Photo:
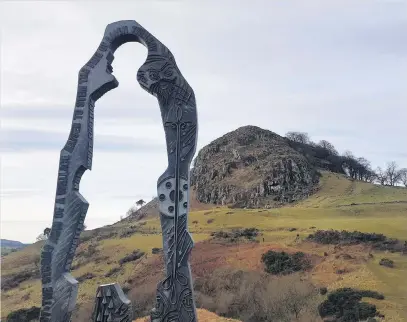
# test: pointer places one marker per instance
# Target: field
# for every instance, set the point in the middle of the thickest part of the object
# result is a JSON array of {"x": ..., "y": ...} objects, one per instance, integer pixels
[{"x": 339, "y": 204}]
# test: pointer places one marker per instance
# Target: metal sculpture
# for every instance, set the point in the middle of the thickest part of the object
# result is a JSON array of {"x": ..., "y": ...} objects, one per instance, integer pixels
[
  {"x": 111, "y": 305},
  {"x": 159, "y": 76}
]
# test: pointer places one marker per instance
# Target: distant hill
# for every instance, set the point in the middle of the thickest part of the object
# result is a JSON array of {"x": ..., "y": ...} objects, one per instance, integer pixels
[
  {"x": 9, "y": 246},
  {"x": 6, "y": 243}
]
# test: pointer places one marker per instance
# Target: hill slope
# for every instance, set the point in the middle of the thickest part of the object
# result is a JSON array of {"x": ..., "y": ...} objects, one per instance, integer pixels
[{"x": 338, "y": 204}]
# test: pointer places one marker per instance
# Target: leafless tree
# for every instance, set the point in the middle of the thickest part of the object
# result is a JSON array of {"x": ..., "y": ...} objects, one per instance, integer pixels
[
  {"x": 300, "y": 137},
  {"x": 381, "y": 176},
  {"x": 363, "y": 169},
  {"x": 41, "y": 236},
  {"x": 327, "y": 146},
  {"x": 393, "y": 173},
  {"x": 371, "y": 176},
  {"x": 403, "y": 176}
]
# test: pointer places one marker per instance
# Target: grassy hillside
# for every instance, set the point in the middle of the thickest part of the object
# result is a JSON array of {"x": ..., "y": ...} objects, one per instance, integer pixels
[{"x": 339, "y": 204}]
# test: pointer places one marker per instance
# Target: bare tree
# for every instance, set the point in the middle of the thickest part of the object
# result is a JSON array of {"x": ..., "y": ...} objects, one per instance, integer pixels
[
  {"x": 403, "y": 176},
  {"x": 363, "y": 168},
  {"x": 381, "y": 176},
  {"x": 300, "y": 137},
  {"x": 371, "y": 176},
  {"x": 393, "y": 173},
  {"x": 41, "y": 237},
  {"x": 350, "y": 165},
  {"x": 327, "y": 146}
]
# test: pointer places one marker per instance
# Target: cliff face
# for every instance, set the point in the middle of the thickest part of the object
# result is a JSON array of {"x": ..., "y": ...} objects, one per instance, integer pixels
[{"x": 252, "y": 167}]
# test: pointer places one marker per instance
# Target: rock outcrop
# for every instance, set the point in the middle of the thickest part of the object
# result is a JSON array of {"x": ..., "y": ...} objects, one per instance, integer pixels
[{"x": 252, "y": 167}]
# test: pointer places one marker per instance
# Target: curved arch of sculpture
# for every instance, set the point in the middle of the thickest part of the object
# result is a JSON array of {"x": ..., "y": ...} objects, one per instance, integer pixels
[{"x": 160, "y": 76}]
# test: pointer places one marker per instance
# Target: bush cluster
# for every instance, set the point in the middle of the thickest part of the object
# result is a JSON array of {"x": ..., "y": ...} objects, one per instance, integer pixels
[
  {"x": 345, "y": 237},
  {"x": 253, "y": 297},
  {"x": 386, "y": 262},
  {"x": 26, "y": 315},
  {"x": 135, "y": 255},
  {"x": 345, "y": 306},
  {"x": 156, "y": 250},
  {"x": 13, "y": 281},
  {"x": 234, "y": 235},
  {"x": 284, "y": 263},
  {"x": 377, "y": 241}
]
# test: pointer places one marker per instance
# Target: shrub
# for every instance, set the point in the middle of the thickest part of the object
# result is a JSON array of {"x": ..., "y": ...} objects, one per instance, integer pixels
[
  {"x": 284, "y": 263},
  {"x": 209, "y": 221},
  {"x": 386, "y": 262},
  {"x": 378, "y": 241},
  {"x": 106, "y": 235},
  {"x": 225, "y": 292},
  {"x": 323, "y": 290},
  {"x": 84, "y": 277},
  {"x": 344, "y": 304},
  {"x": 128, "y": 232},
  {"x": 13, "y": 281},
  {"x": 156, "y": 250},
  {"x": 135, "y": 255},
  {"x": 90, "y": 251},
  {"x": 113, "y": 271},
  {"x": 235, "y": 234},
  {"x": 26, "y": 315},
  {"x": 143, "y": 298}
]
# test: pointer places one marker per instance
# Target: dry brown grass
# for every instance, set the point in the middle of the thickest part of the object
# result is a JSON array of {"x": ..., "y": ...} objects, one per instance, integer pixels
[
  {"x": 203, "y": 316},
  {"x": 256, "y": 296}
]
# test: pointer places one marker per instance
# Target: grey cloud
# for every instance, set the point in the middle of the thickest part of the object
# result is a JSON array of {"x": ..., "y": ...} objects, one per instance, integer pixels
[
  {"x": 65, "y": 112},
  {"x": 19, "y": 193},
  {"x": 29, "y": 140}
]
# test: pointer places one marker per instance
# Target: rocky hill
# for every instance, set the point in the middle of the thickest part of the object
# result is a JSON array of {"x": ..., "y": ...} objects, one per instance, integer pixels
[{"x": 252, "y": 167}]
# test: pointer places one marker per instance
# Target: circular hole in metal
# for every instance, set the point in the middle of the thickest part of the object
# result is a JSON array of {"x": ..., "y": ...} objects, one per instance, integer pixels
[
  {"x": 168, "y": 185},
  {"x": 162, "y": 197},
  {"x": 170, "y": 208}
]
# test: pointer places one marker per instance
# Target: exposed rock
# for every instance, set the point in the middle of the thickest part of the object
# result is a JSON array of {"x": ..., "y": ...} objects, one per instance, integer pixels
[{"x": 251, "y": 167}]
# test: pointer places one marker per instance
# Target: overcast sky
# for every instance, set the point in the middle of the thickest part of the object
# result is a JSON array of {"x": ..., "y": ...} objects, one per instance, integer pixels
[{"x": 334, "y": 69}]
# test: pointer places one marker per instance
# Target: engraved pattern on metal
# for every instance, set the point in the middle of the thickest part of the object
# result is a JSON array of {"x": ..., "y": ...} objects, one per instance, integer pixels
[
  {"x": 111, "y": 305},
  {"x": 159, "y": 76}
]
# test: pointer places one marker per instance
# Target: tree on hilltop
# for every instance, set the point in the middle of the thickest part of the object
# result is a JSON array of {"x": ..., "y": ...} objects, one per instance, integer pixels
[
  {"x": 381, "y": 176},
  {"x": 403, "y": 176},
  {"x": 140, "y": 203},
  {"x": 44, "y": 235},
  {"x": 300, "y": 137},
  {"x": 393, "y": 173},
  {"x": 327, "y": 146}
]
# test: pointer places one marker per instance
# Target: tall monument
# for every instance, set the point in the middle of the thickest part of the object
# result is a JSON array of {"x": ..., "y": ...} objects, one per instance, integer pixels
[{"x": 159, "y": 76}]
